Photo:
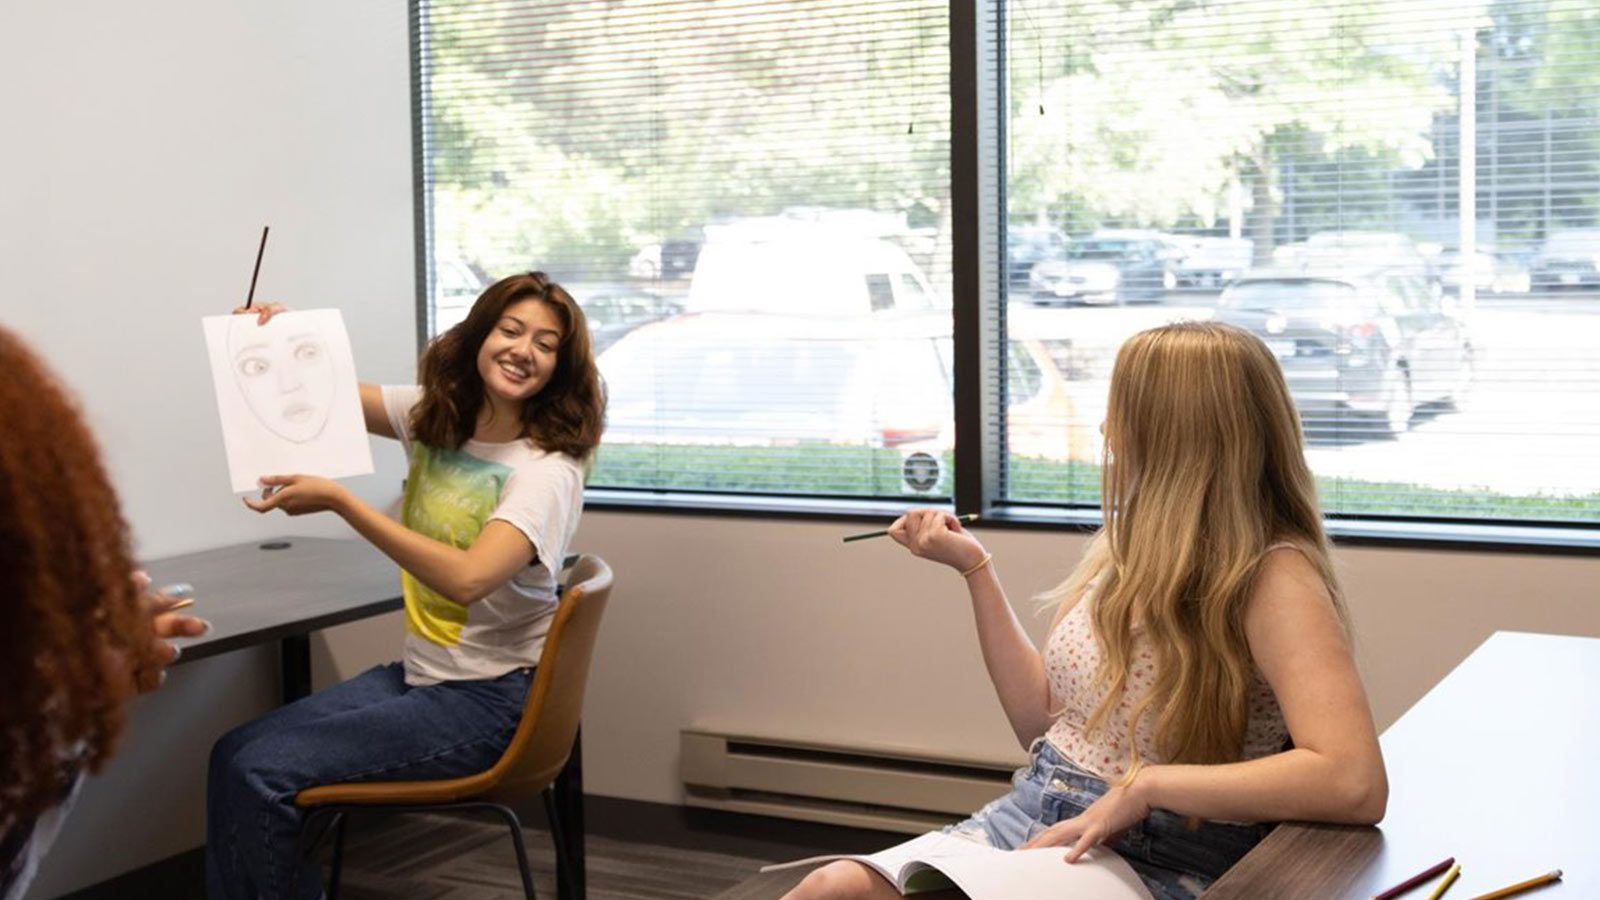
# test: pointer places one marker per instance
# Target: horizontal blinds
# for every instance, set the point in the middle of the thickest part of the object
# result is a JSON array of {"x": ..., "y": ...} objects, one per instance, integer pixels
[
  {"x": 1401, "y": 197},
  {"x": 751, "y": 201}
]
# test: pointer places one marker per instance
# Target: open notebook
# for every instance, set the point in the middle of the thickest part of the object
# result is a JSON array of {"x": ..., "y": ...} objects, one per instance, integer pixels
[{"x": 936, "y": 861}]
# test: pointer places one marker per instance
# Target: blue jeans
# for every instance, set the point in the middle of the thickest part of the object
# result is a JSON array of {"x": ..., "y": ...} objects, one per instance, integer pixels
[
  {"x": 1174, "y": 860},
  {"x": 371, "y": 728}
]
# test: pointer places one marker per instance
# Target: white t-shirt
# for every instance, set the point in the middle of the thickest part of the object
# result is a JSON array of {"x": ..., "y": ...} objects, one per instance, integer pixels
[{"x": 450, "y": 496}]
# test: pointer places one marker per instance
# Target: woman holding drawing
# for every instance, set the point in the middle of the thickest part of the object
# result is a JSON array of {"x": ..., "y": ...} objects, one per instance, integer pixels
[
  {"x": 508, "y": 411},
  {"x": 1202, "y": 633}
]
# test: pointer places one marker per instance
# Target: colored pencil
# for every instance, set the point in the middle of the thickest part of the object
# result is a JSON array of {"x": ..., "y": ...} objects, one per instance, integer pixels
[
  {"x": 1427, "y": 874},
  {"x": 969, "y": 517},
  {"x": 260, "y": 251},
  {"x": 1521, "y": 886},
  {"x": 1449, "y": 879}
]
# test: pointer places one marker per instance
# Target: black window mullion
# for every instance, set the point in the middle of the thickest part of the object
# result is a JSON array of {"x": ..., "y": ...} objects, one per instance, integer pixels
[{"x": 978, "y": 239}]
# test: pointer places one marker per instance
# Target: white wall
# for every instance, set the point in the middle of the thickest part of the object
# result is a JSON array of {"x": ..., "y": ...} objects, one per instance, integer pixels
[{"x": 145, "y": 146}]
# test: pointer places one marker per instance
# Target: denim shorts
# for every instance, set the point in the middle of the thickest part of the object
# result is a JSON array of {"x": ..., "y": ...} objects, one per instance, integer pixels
[{"x": 1176, "y": 860}]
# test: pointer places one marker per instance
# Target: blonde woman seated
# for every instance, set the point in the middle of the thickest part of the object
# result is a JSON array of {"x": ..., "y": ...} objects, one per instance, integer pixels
[{"x": 1202, "y": 634}]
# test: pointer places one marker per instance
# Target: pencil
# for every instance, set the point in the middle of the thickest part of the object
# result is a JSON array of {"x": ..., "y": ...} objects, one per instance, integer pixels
[
  {"x": 1449, "y": 879},
  {"x": 969, "y": 517},
  {"x": 260, "y": 251},
  {"x": 1427, "y": 874},
  {"x": 1521, "y": 886}
]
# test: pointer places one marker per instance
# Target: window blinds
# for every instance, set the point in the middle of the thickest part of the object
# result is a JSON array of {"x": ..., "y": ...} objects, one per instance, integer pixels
[
  {"x": 1401, "y": 197},
  {"x": 751, "y": 201}
]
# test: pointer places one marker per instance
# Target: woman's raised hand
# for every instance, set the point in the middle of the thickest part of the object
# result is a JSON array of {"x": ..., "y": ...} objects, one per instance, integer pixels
[
  {"x": 262, "y": 311},
  {"x": 937, "y": 535}
]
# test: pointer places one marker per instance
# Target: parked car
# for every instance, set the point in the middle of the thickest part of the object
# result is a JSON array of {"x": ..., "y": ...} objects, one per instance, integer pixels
[
  {"x": 1489, "y": 272},
  {"x": 869, "y": 380},
  {"x": 807, "y": 271},
  {"x": 1109, "y": 267},
  {"x": 1361, "y": 350},
  {"x": 1210, "y": 263},
  {"x": 613, "y": 310},
  {"x": 457, "y": 282},
  {"x": 665, "y": 261},
  {"x": 1367, "y": 250},
  {"x": 1028, "y": 245},
  {"x": 1568, "y": 259}
]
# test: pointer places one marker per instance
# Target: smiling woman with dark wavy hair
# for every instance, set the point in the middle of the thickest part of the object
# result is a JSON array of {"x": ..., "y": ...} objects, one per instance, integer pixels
[
  {"x": 77, "y": 639},
  {"x": 507, "y": 411}
]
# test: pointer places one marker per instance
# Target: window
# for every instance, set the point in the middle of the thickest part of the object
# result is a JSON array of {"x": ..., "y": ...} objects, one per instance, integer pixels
[
  {"x": 1402, "y": 197},
  {"x": 759, "y": 203},
  {"x": 751, "y": 199}
]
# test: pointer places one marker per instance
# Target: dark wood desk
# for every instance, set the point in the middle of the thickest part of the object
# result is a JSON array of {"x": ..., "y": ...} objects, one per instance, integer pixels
[
  {"x": 282, "y": 590},
  {"x": 1496, "y": 766}
]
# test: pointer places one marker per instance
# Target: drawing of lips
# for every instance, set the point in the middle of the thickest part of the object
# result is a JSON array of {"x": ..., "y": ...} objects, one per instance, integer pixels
[{"x": 298, "y": 412}]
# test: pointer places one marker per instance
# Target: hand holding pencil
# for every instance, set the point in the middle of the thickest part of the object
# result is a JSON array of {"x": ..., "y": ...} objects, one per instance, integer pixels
[{"x": 938, "y": 535}]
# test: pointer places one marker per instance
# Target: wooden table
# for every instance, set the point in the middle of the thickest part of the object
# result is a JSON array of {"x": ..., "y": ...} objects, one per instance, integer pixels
[
  {"x": 282, "y": 590},
  {"x": 1498, "y": 766}
]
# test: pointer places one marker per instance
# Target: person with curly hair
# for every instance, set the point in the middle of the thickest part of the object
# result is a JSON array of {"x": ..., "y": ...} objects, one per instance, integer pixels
[
  {"x": 82, "y": 633},
  {"x": 508, "y": 411}
]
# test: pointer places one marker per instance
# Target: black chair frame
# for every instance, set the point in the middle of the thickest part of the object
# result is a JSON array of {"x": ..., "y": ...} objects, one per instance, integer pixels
[{"x": 563, "y": 805}]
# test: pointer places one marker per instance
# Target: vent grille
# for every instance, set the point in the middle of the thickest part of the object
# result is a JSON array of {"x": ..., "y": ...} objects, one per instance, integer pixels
[{"x": 863, "y": 788}]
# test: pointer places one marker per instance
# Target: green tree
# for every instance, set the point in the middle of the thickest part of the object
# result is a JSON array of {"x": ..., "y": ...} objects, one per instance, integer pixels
[
  {"x": 1149, "y": 111},
  {"x": 580, "y": 129}
]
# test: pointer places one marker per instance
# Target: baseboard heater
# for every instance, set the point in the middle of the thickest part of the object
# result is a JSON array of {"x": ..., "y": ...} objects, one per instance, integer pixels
[{"x": 864, "y": 788}]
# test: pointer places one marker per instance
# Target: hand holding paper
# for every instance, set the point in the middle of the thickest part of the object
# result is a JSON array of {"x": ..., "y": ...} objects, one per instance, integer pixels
[{"x": 287, "y": 396}]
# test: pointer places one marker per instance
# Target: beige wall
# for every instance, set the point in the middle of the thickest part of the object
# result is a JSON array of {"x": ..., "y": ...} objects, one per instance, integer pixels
[{"x": 775, "y": 628}]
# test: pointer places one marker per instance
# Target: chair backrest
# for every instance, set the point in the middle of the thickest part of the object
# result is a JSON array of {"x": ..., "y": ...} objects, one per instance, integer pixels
[{"x": 551, "y": 715}]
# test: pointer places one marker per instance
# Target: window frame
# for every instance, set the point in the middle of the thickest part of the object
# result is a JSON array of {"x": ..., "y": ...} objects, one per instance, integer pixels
[{"x": 979, "y": 260}]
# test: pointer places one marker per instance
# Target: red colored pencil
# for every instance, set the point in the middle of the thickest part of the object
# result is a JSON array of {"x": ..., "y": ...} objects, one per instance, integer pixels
[{"x": 1425, "y": 875}]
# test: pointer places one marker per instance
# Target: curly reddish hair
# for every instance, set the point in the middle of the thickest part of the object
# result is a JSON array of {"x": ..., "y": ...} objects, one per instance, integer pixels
[{"x": 75, "y": 639}]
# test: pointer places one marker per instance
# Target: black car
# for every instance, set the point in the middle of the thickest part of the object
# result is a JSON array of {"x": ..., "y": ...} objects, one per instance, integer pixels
[
  {"x": 1360, "y": 351},
  {"x": 679, "y": 256},
  {"x": 1569, "y": 259}
]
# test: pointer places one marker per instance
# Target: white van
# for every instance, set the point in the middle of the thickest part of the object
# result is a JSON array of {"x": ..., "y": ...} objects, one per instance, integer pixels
[{"x": 806, "y": 272}]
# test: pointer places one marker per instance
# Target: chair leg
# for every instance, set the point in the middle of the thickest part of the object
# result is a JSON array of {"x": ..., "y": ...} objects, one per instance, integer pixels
[
  {"x": 558, "y": 837},
  {"x": 338, "y": 855},
  {"x": 517, "y": 844},
  {"x": 306, "y": 842},
  {"x": 571, "y": 879}
]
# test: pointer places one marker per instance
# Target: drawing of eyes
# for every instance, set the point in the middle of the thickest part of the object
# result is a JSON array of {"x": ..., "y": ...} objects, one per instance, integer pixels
[
  {"x": 310, "y": 351},
  {"x": 251, "y": 366}
]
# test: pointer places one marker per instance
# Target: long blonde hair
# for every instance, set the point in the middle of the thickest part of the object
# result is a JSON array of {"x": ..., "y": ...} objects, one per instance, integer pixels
[{"x": 1205, "y": 469}]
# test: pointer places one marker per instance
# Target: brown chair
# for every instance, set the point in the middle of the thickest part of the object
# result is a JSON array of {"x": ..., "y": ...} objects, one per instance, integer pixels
[{"x": 544, "y": 747}]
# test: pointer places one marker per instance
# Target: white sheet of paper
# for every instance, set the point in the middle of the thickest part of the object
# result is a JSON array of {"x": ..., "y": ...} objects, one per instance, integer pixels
[{"x": 287, "y": 396}]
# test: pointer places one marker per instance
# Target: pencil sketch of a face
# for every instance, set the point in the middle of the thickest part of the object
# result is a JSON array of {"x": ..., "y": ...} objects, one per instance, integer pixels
[{"x": 285, "y": 373}]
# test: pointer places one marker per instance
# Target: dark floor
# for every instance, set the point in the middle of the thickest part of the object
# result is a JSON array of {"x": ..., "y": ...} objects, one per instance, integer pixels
[
  {"x": 634, "y": 851},
  {"x": 427, "y": 857}
]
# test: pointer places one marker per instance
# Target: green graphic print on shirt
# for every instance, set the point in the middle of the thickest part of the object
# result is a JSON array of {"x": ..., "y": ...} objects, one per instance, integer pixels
[{"x": 449, "y": 496}]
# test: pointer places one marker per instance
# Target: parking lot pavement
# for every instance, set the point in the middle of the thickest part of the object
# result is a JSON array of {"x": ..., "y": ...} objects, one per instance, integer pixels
[{"x": 1530, "y": 425}]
